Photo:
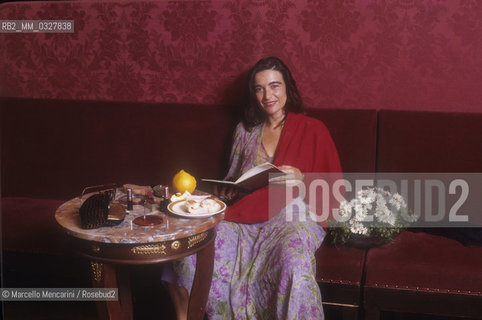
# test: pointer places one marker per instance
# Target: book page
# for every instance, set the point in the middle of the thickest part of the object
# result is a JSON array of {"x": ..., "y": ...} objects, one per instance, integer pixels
[
  {"x": 252, "y": 179},
  {"x": 256, "y": 170},
  {"x": 220, "y": 181}
]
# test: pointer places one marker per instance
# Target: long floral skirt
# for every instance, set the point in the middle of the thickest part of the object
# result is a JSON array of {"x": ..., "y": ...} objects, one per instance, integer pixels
[{"x": 262, "y": 271}]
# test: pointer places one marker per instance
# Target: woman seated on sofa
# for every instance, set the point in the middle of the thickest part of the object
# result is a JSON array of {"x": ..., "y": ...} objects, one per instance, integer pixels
[{"x": 265, "y": 267}]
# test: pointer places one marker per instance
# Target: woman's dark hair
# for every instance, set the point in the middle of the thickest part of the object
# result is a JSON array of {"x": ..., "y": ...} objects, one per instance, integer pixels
[{"x": 253, "y": 113}]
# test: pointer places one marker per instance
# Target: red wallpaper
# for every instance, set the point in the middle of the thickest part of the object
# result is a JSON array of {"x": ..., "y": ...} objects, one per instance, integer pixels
[{"x": 399, "y": 54}]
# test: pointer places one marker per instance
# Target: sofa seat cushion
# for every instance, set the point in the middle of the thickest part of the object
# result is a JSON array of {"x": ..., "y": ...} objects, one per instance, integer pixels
[
  {"x": 343, "y": 265},
  {"x": 29, "y": 225},
  {"x": 421, "y": 261}
]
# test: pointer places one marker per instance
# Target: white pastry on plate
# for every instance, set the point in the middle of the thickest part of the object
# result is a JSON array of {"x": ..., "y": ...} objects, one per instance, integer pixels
[
  {"x": 210, "y": 204},
  {"x": 192, "y": 205},
  {"x": 178, "y": 196}
]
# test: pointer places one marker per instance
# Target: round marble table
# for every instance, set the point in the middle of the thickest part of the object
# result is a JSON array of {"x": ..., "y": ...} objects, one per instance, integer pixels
[{"x": 110, "y": 249}]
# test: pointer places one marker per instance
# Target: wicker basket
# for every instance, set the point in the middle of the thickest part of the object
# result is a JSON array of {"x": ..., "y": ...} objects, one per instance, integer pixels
[{"x": 93, "y": 212}]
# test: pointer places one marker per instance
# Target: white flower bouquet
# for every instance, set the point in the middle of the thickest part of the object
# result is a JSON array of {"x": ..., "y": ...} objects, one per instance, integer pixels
[{"x": 375, "y": 215}]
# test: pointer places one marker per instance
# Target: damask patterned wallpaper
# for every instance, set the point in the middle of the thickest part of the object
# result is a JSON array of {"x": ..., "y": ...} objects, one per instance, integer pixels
[{"x": 381, "y": 54}]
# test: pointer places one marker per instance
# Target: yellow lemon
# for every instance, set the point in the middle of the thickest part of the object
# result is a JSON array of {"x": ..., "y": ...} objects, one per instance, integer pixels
[{"x": 183, "y": 181}]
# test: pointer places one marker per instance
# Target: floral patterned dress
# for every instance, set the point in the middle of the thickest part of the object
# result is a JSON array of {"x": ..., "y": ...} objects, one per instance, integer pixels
[{"x": 264, "y": 270}]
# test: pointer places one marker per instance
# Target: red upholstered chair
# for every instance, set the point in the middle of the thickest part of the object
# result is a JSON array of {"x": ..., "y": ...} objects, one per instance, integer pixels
[{"x": 422, "y": 272}]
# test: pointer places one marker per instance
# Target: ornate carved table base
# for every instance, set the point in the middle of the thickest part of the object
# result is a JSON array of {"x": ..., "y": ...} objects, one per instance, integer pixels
[
  {"x": 109, "y": 275},
  {"x": 110, "y": 272}
]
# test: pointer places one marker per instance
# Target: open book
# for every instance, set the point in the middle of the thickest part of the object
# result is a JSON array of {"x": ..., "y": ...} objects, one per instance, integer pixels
[{"x": 255, "y": 178}]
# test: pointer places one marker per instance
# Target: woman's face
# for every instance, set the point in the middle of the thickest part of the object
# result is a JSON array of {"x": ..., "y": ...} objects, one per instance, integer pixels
[{"x": 270, "y": 92}]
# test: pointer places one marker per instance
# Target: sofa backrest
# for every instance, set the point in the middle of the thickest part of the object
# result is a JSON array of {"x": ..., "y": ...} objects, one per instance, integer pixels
[
  {"x": 55, "y": 148},
  {"x": 355, "y": 135},
  {"x": 416, "y": 141}
]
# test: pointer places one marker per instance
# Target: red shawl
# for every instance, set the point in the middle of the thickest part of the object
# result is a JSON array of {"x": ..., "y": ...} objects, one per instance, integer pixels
[{"x": 306, "y": 144}]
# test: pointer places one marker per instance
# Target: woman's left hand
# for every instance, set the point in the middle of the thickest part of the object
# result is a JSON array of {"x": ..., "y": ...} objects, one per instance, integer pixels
[
  {"x": 293, "y": 176},
  {"x": 290, "y": 169}
]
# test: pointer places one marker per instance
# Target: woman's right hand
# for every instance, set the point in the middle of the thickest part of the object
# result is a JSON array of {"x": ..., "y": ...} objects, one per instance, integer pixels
[{"x": 226, "y": 193}]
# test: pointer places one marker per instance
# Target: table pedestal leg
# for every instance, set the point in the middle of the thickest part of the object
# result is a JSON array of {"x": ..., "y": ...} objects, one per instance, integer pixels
[
  {"x": 202, "y": 283},
  {"x": 105, "y": 275}
]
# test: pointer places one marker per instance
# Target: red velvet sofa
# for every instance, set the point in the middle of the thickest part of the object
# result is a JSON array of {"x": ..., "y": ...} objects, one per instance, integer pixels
[
  {"x": 52, "y": 149},
  {"x": 426, "y": 272}
]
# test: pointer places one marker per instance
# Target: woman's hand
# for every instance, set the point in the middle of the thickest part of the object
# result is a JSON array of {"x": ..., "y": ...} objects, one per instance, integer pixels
[
  {"x": 290, "y": 169},
  {"x": 226, "y": 193},
  {"x": 293, "y": 176}
]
